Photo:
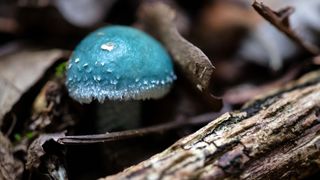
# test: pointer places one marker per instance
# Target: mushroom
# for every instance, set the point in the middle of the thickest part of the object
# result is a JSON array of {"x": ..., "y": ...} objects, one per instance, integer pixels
[{"x": 116, "y": 65}]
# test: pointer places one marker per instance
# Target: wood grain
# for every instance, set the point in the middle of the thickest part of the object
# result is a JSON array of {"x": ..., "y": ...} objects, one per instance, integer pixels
[{"x": 275, "y": 136}]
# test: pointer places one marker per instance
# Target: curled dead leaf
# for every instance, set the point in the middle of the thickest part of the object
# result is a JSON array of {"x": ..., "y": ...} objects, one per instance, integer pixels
[
  {"x": 19, "y": 71},
  {"x": 36, "y": 151},
  {"x": 158, "y": 19}
]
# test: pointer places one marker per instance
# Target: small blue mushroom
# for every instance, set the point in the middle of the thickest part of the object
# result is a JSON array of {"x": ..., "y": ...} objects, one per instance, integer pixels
[
  {"x": 115, "y": 64},
  {"x": 119, "y": 63}
]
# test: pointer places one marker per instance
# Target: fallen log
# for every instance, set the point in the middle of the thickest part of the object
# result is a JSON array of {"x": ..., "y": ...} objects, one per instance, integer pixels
[{"x": 276, "y": 136}]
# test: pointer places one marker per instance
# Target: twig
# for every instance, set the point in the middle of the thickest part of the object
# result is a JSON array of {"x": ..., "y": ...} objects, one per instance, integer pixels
[
  {"x": 12, "y": 125},
  {"x": 281, "y": 21},
  {"x": 114, "y": 136}
]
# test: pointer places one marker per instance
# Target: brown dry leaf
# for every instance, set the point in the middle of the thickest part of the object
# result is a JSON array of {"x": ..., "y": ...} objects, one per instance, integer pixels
[
  {"x": 36, "y": 151},
  {"x": 44, "y": 108},
  {"x": 158, "y": 19},
  {"x": 10, "y": 168},
  {"x": 19, "y": 71}
]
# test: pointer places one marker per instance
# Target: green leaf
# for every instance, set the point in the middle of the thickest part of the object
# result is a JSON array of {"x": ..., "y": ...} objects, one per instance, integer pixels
[
  {"x": 17, "y": 137},
  {"x": 61, "y": 69},
  {"x": 30, "y": 135}
]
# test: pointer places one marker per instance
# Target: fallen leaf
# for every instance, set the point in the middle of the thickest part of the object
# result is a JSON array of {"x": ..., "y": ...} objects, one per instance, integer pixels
[
  {"x": 20, "y": 70},
  {"x": 158, "y": 18},
  {"x": 36, "y": 151}
]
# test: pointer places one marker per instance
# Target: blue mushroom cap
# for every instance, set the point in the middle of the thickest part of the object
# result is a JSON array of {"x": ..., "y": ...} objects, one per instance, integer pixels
[{"x": 119, "y": 63}]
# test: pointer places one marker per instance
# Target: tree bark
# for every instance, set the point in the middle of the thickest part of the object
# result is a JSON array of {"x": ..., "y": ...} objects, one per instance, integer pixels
[{"x": 276, "y": 136}]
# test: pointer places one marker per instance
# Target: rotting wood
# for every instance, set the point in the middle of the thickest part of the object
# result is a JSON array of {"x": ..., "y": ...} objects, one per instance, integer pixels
[{"x": 274, "y": 136}]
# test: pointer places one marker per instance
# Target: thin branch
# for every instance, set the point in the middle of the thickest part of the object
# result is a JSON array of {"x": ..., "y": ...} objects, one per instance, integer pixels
[
  {"x": 12, "y": 125},
  {"x": 281, "y": 21},
  {"x": 114, "y": 136}
]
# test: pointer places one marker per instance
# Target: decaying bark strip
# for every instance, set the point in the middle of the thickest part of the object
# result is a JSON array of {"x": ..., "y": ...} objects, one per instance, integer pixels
[{"x": 275, "y": 136}]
